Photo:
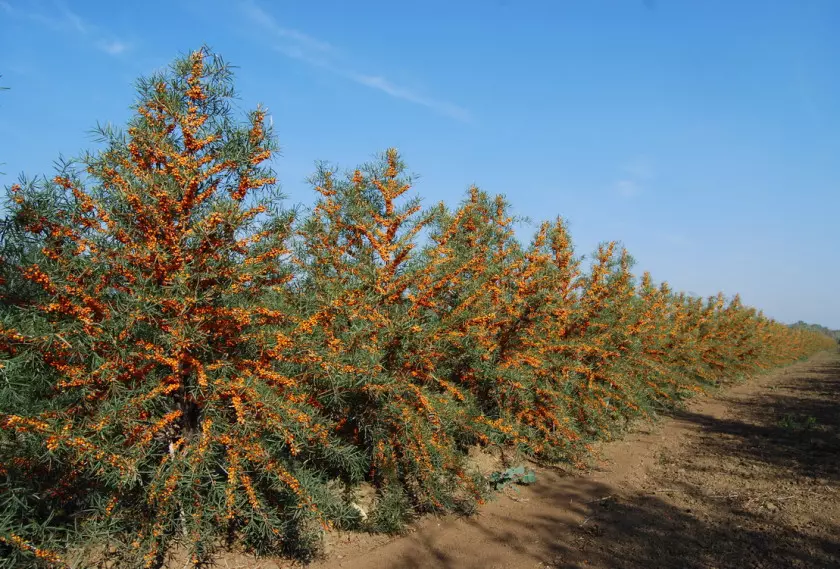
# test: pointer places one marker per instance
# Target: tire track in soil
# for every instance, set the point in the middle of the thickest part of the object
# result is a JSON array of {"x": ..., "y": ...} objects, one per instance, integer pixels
[{"x": 746, "y": 478}]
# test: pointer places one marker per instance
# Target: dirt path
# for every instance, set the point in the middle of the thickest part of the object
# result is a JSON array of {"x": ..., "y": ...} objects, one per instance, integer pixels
[{"x": 749, "y": 478}]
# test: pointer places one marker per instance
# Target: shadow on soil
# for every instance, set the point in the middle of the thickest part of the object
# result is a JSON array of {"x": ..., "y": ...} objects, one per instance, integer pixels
[
  {"x": 793, "y": 428},
  {"x": 790, "y": 432}
]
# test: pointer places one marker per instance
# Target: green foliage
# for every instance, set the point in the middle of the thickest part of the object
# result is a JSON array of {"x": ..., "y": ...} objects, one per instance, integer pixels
[
  {"x": 393, "y": 511},
  {"x": 513, "y": 475},
  {"x": 793, "y": 423},
  {"x": 816, "y": 328}
]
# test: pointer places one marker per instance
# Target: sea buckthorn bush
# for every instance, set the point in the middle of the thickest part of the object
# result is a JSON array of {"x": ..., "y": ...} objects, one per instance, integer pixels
[{"x": 186, "y": 364}]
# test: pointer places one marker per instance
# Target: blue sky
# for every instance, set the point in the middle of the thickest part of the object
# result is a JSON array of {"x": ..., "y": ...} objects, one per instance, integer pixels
[{"x": 703, "y": 134}]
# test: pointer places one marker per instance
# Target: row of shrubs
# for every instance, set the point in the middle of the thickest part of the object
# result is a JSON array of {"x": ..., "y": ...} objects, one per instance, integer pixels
[{"x": 187, "y": 364}]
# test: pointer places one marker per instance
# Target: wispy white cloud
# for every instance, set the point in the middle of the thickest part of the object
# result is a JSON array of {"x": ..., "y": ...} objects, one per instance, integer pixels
[
  {"x": 381, "y": 83},
  {"x": 640, "y": 168},
  {"x": 298, "y": 45},
  {"x": 260, "y": 16},
  {"x": 60, "y": 18},
  {"x": 627, "y": 188},
  {"x": 634, "y": 176},
  {"x": 72, "y": 19},
  {"x": 677, "y": 239},
  {"x": 112, "y": 47}
]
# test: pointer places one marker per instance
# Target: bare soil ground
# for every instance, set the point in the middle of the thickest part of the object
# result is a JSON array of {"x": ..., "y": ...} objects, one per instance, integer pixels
[{"x": 746, "y": 478}]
